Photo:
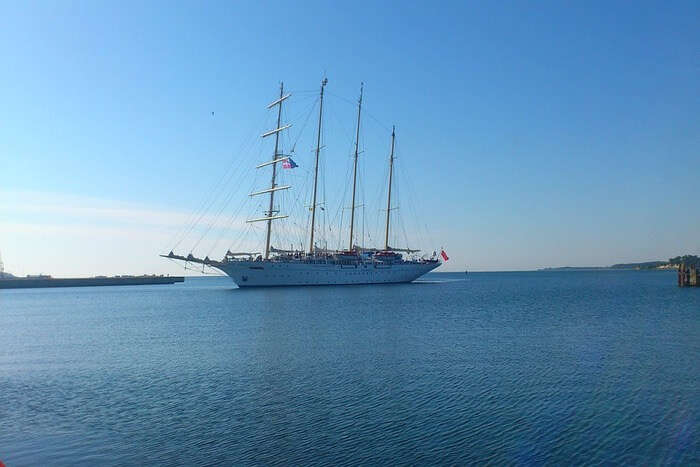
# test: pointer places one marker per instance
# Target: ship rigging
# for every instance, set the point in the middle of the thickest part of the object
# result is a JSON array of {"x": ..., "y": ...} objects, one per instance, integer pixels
[{"x": 316, "y": 265}]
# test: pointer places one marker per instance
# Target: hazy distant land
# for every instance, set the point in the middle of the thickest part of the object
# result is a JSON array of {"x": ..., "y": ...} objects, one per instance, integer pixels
[{"x": 672, "y": 263}]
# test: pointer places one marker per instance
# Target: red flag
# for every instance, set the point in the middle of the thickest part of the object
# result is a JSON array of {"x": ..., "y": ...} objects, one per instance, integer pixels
[{"x": 444, "y": 255}]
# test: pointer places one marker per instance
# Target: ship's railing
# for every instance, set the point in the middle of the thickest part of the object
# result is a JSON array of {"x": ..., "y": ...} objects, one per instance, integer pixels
[{"x": 328, "y": 259}]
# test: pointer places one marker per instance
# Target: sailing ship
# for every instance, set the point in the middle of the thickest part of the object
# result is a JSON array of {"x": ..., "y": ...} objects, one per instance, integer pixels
[{"x": 318, "y": 266}]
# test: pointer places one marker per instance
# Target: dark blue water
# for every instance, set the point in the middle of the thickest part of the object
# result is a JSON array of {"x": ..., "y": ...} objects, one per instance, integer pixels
[{"x": 530, "y": 368}]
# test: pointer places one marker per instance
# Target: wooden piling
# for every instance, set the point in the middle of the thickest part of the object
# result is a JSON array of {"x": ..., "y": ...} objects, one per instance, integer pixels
[
  {"x": 681, "y": 275},
  {"x": 688, "y": 275}
]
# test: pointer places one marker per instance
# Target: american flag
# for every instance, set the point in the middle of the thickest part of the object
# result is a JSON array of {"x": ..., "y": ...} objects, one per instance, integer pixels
[{"x": 289, "y": 164}]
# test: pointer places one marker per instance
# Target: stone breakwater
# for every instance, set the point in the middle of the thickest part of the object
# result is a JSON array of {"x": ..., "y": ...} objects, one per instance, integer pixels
[{"x": 40, "y": 282}]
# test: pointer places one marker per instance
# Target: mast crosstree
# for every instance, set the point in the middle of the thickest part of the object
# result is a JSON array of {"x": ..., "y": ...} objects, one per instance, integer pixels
[{"x": 270, "y": 213}]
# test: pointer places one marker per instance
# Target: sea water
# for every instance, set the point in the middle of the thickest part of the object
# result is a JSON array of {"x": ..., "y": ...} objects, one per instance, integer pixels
[{"x": 527, "y": 368}]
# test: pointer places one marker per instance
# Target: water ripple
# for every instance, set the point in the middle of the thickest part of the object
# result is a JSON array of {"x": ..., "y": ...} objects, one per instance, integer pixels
[{"x": 513, "y": 368}]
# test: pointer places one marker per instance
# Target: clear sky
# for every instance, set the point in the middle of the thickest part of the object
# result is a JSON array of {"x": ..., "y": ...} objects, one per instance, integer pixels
[{"x": 532, "y": 134}]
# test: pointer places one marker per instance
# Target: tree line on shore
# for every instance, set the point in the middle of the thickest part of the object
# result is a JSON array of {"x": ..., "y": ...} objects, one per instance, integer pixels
[
  {"x": 672, "y": 262},
  {"x": 685, "y": 259}
]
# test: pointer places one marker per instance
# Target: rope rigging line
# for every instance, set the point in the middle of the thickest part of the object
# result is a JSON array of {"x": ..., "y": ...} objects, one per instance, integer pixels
[
  {"x": 236, "y": 186},
  {"x": 195, "y": 217},
  {"x": 348, "y": 135},
  {"x": 380, "y": 200},
  {"x": 225, "y": 180},
  {"x": 213, "y": 196},
  {"x": 233, "y": 218},
  {"x": 303, "y": 127},
  {"x": 415, "y": 209},
  {"x": 363, "y": 174},
  {"x": 400, "y": 219},
  {"x": 340, "y": 211},
  {"x": 186, "y": 267},
  {"x": 284, "y": 139},
  {"x": 369, "y": 114},
  {"x": 238, "y": 242},
  {"x": 296, "y": 205}
]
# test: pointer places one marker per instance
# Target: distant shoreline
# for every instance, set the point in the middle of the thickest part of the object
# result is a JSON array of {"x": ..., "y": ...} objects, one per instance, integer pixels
[
  {"x": 671, "y": 265},
  {"x": 617, "y": 267}
]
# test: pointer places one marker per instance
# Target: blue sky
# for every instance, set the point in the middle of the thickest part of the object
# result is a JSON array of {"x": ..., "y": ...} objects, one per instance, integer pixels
[{"x": 529, "y": 134}]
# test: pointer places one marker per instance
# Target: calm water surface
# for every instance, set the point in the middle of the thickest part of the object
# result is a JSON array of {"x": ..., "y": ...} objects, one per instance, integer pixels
[{"x": 529, "y": 368}]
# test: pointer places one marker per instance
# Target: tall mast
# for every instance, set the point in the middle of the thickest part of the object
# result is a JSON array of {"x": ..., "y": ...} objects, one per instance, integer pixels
[
  {"x": 318, "y": 150},
  {"x": 354, "y": 172},
  {"x": 274, "y": 174},
  {"x": 270, "y": 213},
  {"x": 388, "y": 201}
]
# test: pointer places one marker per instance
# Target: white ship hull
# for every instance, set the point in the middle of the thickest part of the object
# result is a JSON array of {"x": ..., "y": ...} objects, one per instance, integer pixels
[{"x": 281, "y": 273}]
